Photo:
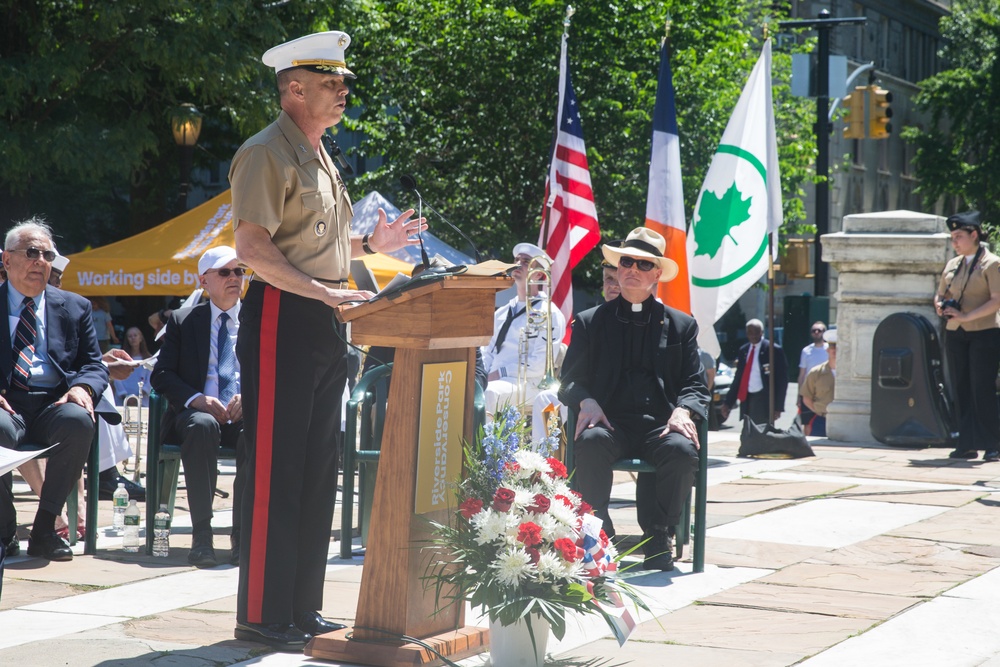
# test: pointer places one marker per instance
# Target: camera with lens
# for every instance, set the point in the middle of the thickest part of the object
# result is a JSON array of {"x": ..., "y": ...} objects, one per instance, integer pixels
[{"x": 950, "y": 303}]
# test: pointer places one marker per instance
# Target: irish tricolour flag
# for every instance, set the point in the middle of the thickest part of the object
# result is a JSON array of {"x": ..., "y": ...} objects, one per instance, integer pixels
[
  {"x": 738, "y": 208},
  {"x": 665, "y": 196}
]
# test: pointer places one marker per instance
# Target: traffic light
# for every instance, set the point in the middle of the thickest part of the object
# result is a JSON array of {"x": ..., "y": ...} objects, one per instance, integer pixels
[
  {"x": 854, "y": 104},
  {"x": 879, "y": 113}
]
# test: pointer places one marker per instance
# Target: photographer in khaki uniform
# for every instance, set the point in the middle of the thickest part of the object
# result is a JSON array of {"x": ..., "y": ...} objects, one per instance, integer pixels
[
  {"x": 968, "y": 297},
  {"x": 292, "y": 218}
]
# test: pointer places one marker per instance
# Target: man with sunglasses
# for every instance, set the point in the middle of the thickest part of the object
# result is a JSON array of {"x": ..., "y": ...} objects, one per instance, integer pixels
[
  {"x": 633, "y": 375},
  {"x": 51, "y": 378},
  {"x": 813, "y": 354},
  {"x": 198, "y": 372}
]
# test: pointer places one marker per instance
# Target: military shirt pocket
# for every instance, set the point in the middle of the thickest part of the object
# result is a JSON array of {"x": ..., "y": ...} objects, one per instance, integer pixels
[{"x": 317, "y": 208}]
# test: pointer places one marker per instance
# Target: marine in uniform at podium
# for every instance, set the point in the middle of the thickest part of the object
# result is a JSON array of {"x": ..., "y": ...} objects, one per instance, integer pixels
[
  {"x": 968, "y": 297},
  {"x": 633, "y": 373},
  {"x": 292, "y": 218},
  {"x": 502, "y": 356}
]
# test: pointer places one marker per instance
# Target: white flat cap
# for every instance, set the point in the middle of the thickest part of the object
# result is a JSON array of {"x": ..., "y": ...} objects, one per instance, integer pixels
[{"x": 321, "y": 52}]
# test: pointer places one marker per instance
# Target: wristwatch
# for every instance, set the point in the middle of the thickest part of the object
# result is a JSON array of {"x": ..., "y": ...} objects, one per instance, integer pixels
[{"x": 365, "y": 244}]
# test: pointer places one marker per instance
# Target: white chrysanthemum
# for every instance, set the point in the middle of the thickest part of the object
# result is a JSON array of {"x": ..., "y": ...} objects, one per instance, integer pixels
[
  {"x": 491, "y": 527},
  {"x": 549, "y": 526},
  {"x": 532, "y": 462},
  {"x": 523, "y": 496},
  {"x": 512, "y": 565},
  {"x": 551, "y": 566},
  {"x": 562, "y": 514}
]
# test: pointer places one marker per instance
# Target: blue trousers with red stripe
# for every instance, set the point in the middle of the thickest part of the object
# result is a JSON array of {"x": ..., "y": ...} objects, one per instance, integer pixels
[{"x": 293, "y": 369}]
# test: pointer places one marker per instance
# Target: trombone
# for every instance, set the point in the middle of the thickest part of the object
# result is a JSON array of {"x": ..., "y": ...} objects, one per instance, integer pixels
[{"x": 538, "y": 319}]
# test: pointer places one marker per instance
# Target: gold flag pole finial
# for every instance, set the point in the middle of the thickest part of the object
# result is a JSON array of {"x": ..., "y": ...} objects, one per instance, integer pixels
[
  {"x": 666, "y": 27},
  {"x": 767, "y": 27}
]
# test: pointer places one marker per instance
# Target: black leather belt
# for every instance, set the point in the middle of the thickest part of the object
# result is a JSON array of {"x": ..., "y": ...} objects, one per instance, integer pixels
[{"x": 336, "y": 284}]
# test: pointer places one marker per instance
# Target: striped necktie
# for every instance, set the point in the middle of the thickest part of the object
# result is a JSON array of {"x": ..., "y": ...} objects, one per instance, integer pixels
[
  {"x": 227, "y": 362},
  {"x": 24, "y": 345}
]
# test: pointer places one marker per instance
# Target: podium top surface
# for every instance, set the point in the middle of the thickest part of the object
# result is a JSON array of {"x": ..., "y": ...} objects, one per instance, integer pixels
[{"x": 458, "y": 282}]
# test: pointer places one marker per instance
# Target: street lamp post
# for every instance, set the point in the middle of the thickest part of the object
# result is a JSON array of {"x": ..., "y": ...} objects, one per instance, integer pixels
[{"x": 185, "y": 122}]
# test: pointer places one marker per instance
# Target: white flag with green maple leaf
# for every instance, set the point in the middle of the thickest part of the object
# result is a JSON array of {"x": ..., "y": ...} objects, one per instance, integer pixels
[{"x": 738, "y": 208}]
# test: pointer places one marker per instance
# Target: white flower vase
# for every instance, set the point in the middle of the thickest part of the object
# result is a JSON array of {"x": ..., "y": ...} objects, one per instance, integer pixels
[{"x": 511, "y": 645}]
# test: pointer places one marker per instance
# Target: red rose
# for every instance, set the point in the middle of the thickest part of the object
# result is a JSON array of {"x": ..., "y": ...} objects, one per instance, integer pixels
[
  {"x": 566, "y": 547},
  {"x": 540, "y": 505},
  {"x": 558, "y": 469},
  {"x": 585, "y": 508},
  {"x": 529, "y": 534},
  {"x": 534, "y": 555},
  {"x": 503, "y": 499},
  {"x": 471, "y": 507}
]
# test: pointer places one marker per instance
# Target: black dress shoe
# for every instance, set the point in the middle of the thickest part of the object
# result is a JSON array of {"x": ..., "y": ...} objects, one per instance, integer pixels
[
  {"x": 314, "y": 624},
  {"x": 202, "y": 552},
  {"x": 11, "y": 547},
  {"x": 964, "y": 454},
  {"x": 286, "y": 638},
  {"x": 49, "y": 546},
  {"x": 659, "y": 551},
  {"x": 107, "y": 487},
  {"x": 991, "y": 455}
]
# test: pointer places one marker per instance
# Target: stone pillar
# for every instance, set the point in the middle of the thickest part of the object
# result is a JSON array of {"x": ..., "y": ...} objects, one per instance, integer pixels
[{"x": 887, "y": 263}]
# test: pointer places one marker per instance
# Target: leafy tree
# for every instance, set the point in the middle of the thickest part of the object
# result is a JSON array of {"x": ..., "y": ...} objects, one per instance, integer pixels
[
  {"x": 957, "y": 153},
  {"x": 88, "y": 89},
  {"x": 462, "y": 95}
]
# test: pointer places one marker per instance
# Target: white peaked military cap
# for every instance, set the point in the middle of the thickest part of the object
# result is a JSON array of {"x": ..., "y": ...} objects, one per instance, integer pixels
[
  {"x": 60, "y": 263},
  {"x": 321, "y": 52},
  {"x": 531, "y": 250}
]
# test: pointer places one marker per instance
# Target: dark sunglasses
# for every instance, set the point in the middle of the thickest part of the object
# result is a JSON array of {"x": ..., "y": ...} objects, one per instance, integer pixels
[
  {"x": 34, "y": 253},
  {"x": 818, "y": 330},
  {"x": 224, "y": 273},
  {"x": 627, "y": 262}
]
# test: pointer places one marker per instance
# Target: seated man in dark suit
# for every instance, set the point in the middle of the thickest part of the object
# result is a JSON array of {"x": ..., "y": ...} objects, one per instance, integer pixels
[
  {"x": 751, "y": 384},
  {"x": 199, "y": 374},
  {"x": 633, "y": 373},
  {"x": 51, "y": 377}
]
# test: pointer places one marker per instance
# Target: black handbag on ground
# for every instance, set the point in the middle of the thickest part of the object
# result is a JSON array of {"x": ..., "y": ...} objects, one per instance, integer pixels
[{"x": 767, "y": 442}]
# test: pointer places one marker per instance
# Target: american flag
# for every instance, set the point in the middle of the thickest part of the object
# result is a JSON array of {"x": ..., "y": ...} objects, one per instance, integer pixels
[{"x": 569, "y": 221}]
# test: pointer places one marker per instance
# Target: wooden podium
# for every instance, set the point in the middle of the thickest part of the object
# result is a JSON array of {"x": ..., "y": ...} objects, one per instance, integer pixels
[{"x": 435, "y": 323}]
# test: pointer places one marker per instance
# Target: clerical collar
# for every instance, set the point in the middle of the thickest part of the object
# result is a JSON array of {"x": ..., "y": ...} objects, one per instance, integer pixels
[{"x": 634, "y": 313}]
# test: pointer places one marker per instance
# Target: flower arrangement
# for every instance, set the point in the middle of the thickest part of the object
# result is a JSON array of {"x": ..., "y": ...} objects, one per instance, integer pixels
[{"x": 522, "y": 542}]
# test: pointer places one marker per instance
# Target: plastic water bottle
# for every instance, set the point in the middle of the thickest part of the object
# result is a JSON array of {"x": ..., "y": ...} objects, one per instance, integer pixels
[
  {"x": 130, "y": 541},
  {"x": 161, "y": 533},
  {"x": 120, "y": 500}
]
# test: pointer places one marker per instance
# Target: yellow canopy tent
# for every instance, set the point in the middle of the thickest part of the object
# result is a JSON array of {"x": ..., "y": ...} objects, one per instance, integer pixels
[{"x": 163, "y": 261}]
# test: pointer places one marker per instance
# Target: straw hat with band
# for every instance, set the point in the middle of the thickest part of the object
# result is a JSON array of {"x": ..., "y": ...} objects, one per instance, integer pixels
[{"x": 643, "y": 243}]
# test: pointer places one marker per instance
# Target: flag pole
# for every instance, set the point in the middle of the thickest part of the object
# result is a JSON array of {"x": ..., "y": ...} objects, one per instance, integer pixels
[
  {"x": 547, "y": 209},
  {"x": 770, "y": 327}
]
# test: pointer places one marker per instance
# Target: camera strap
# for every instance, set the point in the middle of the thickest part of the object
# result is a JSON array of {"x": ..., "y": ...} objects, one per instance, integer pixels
[{"x": 968, "y": 273}]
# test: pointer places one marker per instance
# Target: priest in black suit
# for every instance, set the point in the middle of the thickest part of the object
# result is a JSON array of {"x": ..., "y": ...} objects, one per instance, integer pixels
[
  {"x": 198, "y": 372},
  {"x": 752, "y": 380},
  {"x": 51, "y": 381},
  {"x": 632, "y": 373}
]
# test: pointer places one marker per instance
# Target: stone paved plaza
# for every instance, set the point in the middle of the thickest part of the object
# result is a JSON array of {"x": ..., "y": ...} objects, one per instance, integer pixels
[{"x": 862, "y": 555}]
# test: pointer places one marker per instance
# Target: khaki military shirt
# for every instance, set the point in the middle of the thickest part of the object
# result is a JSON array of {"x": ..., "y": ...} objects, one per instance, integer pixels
[
  {"x": 972, "y": 287},
  {"x": 818, "y": 386},
  {"x": 281, "y": 184}
]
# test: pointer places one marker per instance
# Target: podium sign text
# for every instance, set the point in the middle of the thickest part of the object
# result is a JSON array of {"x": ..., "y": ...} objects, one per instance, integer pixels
[{"x": 439, "y": 454}]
